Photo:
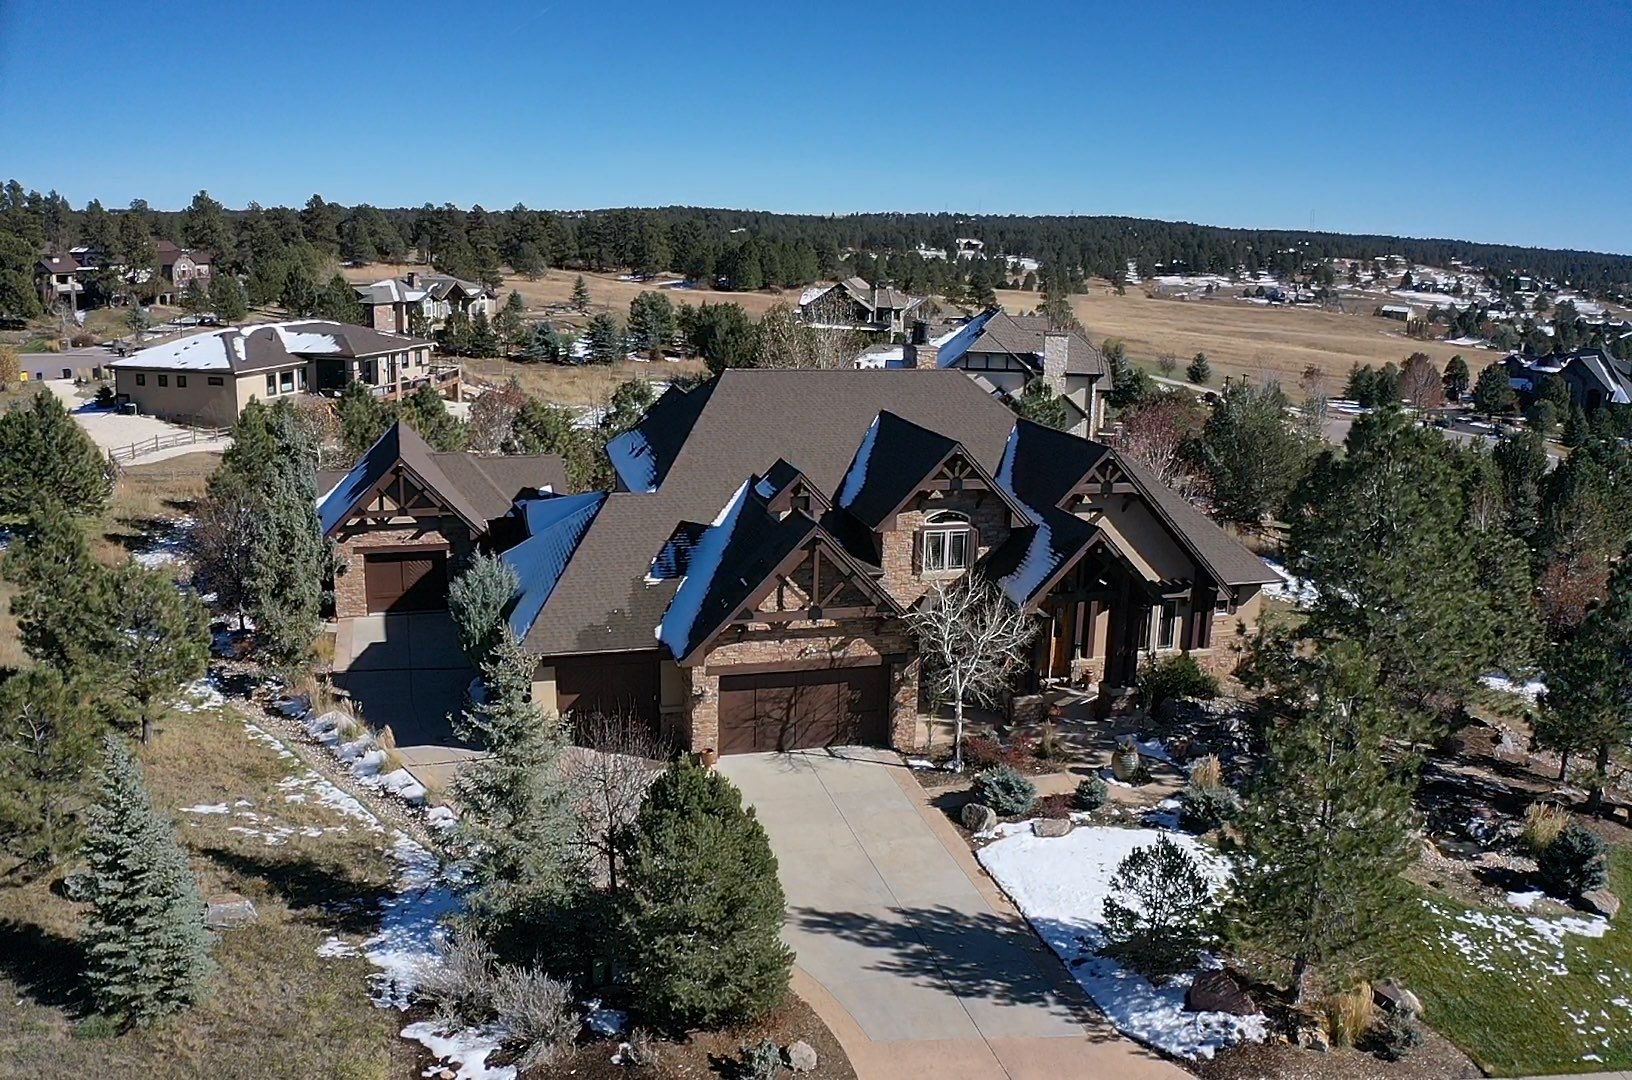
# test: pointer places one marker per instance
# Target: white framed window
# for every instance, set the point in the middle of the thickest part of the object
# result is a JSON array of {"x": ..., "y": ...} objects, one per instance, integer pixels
[
  {"x": 947, "y": 542},
  {"x": 286, "y": 382},
  {"x": 1168, "y": 630},
  {"x": 271, "y": 386}
]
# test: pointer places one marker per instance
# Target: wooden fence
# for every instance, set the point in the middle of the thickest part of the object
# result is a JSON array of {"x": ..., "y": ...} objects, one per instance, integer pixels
[{"x": 118, "y": 455}]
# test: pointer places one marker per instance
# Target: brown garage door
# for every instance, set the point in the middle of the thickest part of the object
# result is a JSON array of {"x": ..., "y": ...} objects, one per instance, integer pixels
[
  {"x": 399, "y": 581},
  {"x": 613, "y": 684},
  {"x": 798, "y": 710}
]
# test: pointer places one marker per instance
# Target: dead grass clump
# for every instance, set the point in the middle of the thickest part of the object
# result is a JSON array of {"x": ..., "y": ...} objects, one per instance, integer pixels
[
  {"x": 1543, "y": 821},
  {"x": 1350, "y": 1015},
  {"x": 1207, "y": 773}
]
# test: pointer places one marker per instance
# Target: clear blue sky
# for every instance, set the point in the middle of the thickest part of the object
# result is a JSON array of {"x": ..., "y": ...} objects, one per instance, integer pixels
[{"x": 1501, "y": 121}]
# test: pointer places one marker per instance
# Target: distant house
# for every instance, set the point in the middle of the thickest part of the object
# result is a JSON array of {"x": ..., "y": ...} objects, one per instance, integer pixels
[
  {"x": 852, "y": 304},
  {"x": 1399, "y": 312},
  {"x": 1595, "y": 378},
  {"x": 1003, "y": 353},
  {"x": 183, "y": 266},
  {"x": 208, "y": 378},
  {"x": 60, "y": 280},
  {"x": 394, "y": 302}
]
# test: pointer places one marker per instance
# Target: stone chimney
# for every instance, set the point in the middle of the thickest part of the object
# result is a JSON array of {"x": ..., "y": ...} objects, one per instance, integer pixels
[
  {"x": 413, "y": 279},
  {"x": 1056, "y": 351}
]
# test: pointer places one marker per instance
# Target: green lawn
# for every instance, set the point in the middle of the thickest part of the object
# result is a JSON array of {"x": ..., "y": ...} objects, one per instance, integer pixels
[{"x": 1519, "y": 1002}]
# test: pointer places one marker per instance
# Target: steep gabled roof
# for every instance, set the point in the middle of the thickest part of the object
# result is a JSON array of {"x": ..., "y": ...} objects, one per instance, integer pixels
[
  {"x": 1021, "y": 336},
  {"x": 555, "y": 524},
  {"x": 643, "y": 455},
  {"x": 895, "y": 459}
]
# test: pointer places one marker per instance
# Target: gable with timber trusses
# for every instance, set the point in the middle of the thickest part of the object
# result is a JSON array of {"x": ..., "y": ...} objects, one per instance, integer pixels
[
  {"x": 1106, "y": 479},
  {"x": 819, "y": 585},
  {"x": 398, "y": 497}
]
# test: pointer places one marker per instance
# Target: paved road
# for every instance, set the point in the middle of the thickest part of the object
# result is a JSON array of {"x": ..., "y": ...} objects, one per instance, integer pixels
[{"x": 905, "y": 948}]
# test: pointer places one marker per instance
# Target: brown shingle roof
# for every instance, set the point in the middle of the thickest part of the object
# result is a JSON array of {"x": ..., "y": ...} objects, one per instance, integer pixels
[{"x": 1022, "y": 336}]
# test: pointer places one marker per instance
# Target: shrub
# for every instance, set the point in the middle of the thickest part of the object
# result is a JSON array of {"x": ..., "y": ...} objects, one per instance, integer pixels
[
  {"x": 1092, "y": 793},
  {"x": 1207, "y": 772},
  {"x": 1543, "y": 821},
  {"x": 1049, "y": 746},
  {"x": 458, "y": 981},
  {"x": 104, "y": 396},
  {"x": 536, "y": 1013},
  {"x": 1350, "y": 1015},
  {"x": 1573, "y": 863},
  {"x": 983, "y": 752},
  {"x": 1056, "y": 806},
  {"x": 1005, "y": 790},
  {"x": 760, "y": 1061},
  {"x": 1203, "y": 809},
  {"x": 1174, "y": 679},
  {"x": 1161, "y": 913},
  {"x": 1395, "y": 1036},
  {"x": 640, "y": 1050}
]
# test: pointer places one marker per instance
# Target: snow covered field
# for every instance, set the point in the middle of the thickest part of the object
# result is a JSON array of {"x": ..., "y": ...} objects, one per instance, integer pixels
[{"x": 1060, "y": 885}]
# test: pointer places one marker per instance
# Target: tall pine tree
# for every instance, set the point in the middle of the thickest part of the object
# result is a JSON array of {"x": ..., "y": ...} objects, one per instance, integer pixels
[
  {"x": 46, "y": 456},
  {"x": 1588, "y": 704},
  {"x": 145, "y": 937}
]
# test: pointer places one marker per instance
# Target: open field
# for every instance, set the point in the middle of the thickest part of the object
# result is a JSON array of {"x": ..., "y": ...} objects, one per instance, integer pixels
[
  {"x": 580, "y": 384},
  {"x": 1240, "y": 338},
  {"x": 276, "y": 1008},
  {"x": 605, "y": 290}
]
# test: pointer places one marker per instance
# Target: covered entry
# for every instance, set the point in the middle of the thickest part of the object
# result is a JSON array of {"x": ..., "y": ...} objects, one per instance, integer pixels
[
  {"x": 800, "y": 710},
  {"x": 400, "y": 581}
]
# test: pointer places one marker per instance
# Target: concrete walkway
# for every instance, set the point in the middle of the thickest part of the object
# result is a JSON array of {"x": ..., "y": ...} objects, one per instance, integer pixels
[{"x": 907, "y": 951}]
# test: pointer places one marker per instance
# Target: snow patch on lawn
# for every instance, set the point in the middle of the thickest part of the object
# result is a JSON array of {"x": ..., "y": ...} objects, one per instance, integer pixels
[
  {"x": 201, "y": 695},
  {"x": 466, "y": 1050},
  {"x": 207, "y": 808},
  {"x": 1491, "y": 941},
  {"x": 1060, "y": 884}
]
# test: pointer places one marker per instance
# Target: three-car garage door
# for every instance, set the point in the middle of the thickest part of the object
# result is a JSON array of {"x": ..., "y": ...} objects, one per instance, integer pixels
[
  {"x": 398, "y": 581},
  {"x": 799, "y": 710}
]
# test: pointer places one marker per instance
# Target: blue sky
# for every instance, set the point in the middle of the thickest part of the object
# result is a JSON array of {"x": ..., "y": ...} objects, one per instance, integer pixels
[{"x": 1500, "y": 121}]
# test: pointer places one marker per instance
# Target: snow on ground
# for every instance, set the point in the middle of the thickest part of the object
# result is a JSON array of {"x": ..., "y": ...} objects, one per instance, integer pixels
[
  {"x": 201, "y": 695},
  {"x": 1293, "y": 590},
  {"x": 1530, "y": 690},
  {"x": 1492, "y": 941},
  {"x": 1060, "y": 884}
]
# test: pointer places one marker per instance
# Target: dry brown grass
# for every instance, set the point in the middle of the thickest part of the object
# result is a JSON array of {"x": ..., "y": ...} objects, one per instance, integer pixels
[
  {"x": 606, "y": 292},
  {"x": 1543, "y": 821},
  {"x": 580, "y": 384},
  {"x": 1350, "y": 1015},
  {"x": 1252, "y": 339},
  {"x": 276, "y": 1008}
]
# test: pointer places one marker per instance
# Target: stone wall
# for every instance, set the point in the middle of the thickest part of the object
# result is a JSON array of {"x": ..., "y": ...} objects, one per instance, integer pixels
[
  {"x": 352, "y": 542},
  {"x": 829, "y": 642},
  {"x": 902, "y": 579}
]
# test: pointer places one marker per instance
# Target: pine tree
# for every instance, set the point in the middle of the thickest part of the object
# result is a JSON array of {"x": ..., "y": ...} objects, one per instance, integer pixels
[
  {"x": 152, "y": 637},
  {"x": 426, "y": 412},
  {"x": 289, "y": 552},
  {"x": 1326, "y": 829},
  {"x": 227, "y": 299},
  {"x": 46, "y": 457},
  {"x": 1252, "y": 452},
  {"x": 363, "y": 417},
  {"x": 55, "y": 576},
  {"x": 605, "y": 338},
  {"x": 483, "y": 340},
  {"x": 1041, "y": 405},
  {"x": 145, "y": 939},
  {"x": 580, "y": 294},
  {"x": 515, "y": 831},
  {"x": 1199, "y": 370},
  {"x": 1492, "y": 393},
  {"x": 49, "y": 728},
  {"x": 1588, "y": 704},
  {"x": 1456, "y": 378},
  {"x": 477, "y": 598},
  {"x": 702, "y": 907}
]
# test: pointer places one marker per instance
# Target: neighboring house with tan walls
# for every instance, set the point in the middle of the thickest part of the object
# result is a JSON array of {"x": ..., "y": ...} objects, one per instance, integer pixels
[{"x": 208, "y": 378}]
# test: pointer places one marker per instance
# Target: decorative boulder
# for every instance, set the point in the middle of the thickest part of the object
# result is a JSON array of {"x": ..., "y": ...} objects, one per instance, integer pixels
[
  {"x": 1601, "y": 902},
  {"x": 229, "y": 912},
  {"x": 801, "y": 1057},
  {"x": 1316, "y": 1039},
  {"x": 978, "y": 817},
  {"x": 1047, "y": 827},
  {"x": 1215, "y": 991},
  {"x": 1392, "y": 997},
  {"x": 79, "y": 886}
]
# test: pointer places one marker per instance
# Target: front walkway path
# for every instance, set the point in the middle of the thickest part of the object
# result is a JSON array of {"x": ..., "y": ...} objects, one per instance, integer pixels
[{"x": 907, "y": 951}]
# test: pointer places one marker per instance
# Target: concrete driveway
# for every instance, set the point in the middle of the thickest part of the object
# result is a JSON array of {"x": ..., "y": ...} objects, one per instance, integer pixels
[
  {"x": 408, "y": 672},
  {"x": 905, "y": 948}
]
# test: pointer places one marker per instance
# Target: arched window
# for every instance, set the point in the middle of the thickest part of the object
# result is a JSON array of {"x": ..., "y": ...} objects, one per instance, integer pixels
[{"x": 947, "y": 542}]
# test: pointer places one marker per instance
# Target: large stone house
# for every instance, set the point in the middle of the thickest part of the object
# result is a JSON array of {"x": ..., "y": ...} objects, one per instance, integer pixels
[
  {"x": 208, "y": 378},
  {"x": 183, "y": 266},
  {"x": 745, "y": 587},
  {"x": 394, "y": 304},
  {"x": 1594, "y": 377},
  {"x": 852, "y": 304},
  {"x": 1003, "y": 353}
]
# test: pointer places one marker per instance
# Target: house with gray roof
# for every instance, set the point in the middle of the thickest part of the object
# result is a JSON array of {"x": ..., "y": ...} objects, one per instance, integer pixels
[
  {"x": 396, "y": 305},
  {"x": 1595, "y": 377},
  {"x": 746, "y": 585},
  {"x": 853, "y": 304},
  {"x": 208, "y": 378}
]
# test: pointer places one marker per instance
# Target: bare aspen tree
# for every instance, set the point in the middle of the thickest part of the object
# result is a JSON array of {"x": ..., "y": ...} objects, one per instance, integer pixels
[
  {"x": 973, "y": 640},
  {"x": 616, "y": 759}
]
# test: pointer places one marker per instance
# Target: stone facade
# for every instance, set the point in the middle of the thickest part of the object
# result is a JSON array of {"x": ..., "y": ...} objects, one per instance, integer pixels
[
  {"x": 354, "y": 541},
  {"x": 903, "y": 579},
  {"x": 827, "y": 642}
]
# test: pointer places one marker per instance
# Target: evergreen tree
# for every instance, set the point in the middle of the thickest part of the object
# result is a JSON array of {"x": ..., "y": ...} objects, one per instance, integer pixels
[
  {"x": 56, "y": 577},
  {"x": 515, "y": 831},
  {"x": 1381, "y": 531},
  {"x": 227, "y": 299},
  {"x": 1199, "y": 371},
  {"x": 1129, "y": 384},
  {"x": 580, "y": 294},
  {"x": 426, "y": 412},
  {"x": 702, "y": 907},
  {"x": 719, "y": 333},
  {"x": 605, "y": 338},
  {"x": 1326, "y": 829},
  {"x": 627, "y": 407},
  {"x": 477, "y": 598},
  {"x": 289, "y": 552},
  {"x": 46, "y": 457},
  {"x": 1521, "y": 464},
  {"x": 651, "y": 323},
  {"x": 363, "y": 417},
  {"x": 1576, "y": 428},
  {"x": 49, "y": 729},
  {"x": 1492, "y": 393},
  {"x": 1252, "y": 452},
  {"x": 153, "y": 637},
  {"x": 1588, "y": 704},
  {"x": 1041, "y": 405},
  {"x": 1456, "y": 378},
  {"x": 484, "y": 341},
  {"x": 511, "y": 325},
  {"x": 145, "y": 939}
]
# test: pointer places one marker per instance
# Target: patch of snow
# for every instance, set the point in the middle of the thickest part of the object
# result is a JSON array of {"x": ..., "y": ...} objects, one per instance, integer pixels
[
  {"x": 1491, "y": 941},
  {"x": 441, "y": 817},
  {"x": 201, "y": 695},
  {"x": 605, "y": 1023},
  {"x": 680, "y": 617},
  {"x": 1531, "y": 690},
  {"x": 1060, "y": 884},
  {"x": 207, "y": 808},
  {"x": 336, "y": 946},
  {"x": 856, "y": 477},
  {"x": 401, "y": 783},
  {"x": 466, "y": 1051},
  {"x": 1525, "y": 900},
  {"x": 1292, "y": 589},
  {"x": 1035, "y": 566}
]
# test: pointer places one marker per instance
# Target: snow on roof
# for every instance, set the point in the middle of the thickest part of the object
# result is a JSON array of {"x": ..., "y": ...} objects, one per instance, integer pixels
[
  {"x": 338, "y": 500},
  {"x": 1039, "y": 562},
  {"x": 855, "y": 478},
  {"x": 555, "y": 525},
  {"x": 199, "y": 352},
  {"x": 680, "y": 617},
  {"x": 634, "y": 460}
]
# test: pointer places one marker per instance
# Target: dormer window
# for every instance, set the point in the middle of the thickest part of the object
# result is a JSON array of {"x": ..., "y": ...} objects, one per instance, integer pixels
[{"x": 947, "y": 542}]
